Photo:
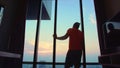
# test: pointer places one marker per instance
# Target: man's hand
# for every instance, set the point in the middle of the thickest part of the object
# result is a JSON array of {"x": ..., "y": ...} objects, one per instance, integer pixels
[{"x": 55, "y": 35}]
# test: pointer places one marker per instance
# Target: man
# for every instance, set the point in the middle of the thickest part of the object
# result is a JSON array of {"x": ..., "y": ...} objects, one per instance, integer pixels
[
  {"x": 113, "y": 36},
  {"x": 74, "y": 53}
]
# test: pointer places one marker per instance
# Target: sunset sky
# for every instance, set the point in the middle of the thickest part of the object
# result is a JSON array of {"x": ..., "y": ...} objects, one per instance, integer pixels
[{"x": 68, "y": 14}]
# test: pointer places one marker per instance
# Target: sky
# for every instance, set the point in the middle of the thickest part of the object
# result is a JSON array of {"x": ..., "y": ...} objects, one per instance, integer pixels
[{"x": 68, "y": 13}]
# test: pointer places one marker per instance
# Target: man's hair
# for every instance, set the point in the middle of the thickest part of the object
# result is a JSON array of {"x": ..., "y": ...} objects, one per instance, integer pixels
[{"x": 76, "y": 25}]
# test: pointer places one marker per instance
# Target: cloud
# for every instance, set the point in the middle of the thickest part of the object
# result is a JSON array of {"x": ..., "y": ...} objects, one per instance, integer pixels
[
  {"x": 28, "y": 48},
  {"x": 61, "y": 48},
  {"x": 45, "y": 48},
  {"x": 92, "y": 47},
  {"x": 92, "y": 19}
]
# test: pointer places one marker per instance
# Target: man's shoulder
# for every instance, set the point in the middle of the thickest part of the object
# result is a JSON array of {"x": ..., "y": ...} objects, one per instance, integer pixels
[{"x": 70, "y": 29}]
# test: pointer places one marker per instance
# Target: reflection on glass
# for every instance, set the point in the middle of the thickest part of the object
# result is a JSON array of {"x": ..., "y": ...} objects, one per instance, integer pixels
[
  {"x": 115, "y": 24},
  {"x": 30, "y": 32},
  {"x": 1, "y": 13},
  {"x": 111, "y": 32}
]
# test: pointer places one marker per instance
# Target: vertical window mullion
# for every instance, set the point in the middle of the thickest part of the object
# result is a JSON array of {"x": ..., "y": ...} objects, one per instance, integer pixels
[
  {"x": 82, "y": 24},
  {"x": 54, "y": 40},
  {"x": 37, "y": 36}
]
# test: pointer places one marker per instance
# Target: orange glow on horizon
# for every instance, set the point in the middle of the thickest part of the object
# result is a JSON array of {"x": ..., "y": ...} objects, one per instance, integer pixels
[{"x": 46, "y": 48}]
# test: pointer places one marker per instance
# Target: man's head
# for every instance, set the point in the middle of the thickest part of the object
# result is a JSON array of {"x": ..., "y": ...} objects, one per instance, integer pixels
[
  {"x": 110, "y": 26},
  {"x": 76, "y": 25}
]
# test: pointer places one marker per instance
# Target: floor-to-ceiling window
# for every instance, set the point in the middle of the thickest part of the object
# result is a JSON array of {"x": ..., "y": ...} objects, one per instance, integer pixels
[
  {"x": 91, "y": 36},
  {"x": 45, "y": 40},
  {"x": 30, "y": 32},
  {"x": 68, "y": 13}
]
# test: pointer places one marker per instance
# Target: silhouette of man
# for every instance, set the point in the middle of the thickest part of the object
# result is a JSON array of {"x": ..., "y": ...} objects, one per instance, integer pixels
[
  {"x": 110, "y": 26},
  {"x": 74, "y": 53},
  {"x": 113, "y": 37}
]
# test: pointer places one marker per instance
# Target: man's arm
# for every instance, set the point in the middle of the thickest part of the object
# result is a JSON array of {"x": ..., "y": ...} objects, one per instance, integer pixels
[{"x": 62, "y": 37}]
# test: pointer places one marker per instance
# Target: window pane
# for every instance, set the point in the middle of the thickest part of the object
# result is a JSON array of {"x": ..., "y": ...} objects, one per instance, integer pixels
[
  {"x": 45, "y": 46},
  {"x": 91, "y": 36},
  {"x": 66, "y": 19},
  {"x": 30, "y": 33},
  {"x": 68, "y": 14}
]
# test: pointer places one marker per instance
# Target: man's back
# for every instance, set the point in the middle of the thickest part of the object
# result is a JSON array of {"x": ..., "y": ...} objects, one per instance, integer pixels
[{"x": 75, "y": 39}]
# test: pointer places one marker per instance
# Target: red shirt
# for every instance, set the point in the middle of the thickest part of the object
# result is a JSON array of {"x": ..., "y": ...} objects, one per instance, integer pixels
[{"x": 75, "y": 39}]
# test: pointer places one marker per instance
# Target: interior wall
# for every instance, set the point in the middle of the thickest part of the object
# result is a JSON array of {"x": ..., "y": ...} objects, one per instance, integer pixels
[
  {"x": 12, "y": 31},
  {"x": 105, "y": 10},
  {"x": 111, "y": 7}
]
